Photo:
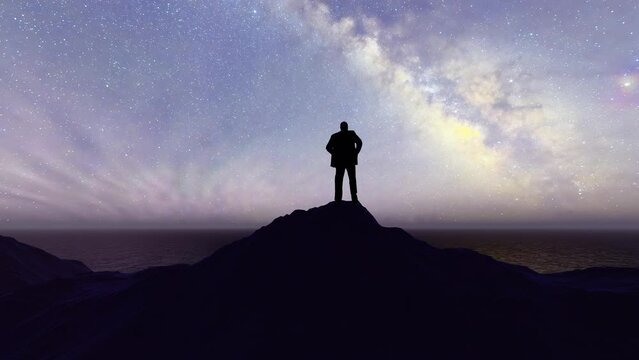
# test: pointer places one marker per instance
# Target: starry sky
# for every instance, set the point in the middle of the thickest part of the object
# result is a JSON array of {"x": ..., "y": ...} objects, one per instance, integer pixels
[{"x": 216, "y": 113}]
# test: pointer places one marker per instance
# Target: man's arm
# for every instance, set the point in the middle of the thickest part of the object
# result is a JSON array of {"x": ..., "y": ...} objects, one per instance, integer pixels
[
  {"x": 358, "y": 142},
  {"x": 329, "y": 146}
]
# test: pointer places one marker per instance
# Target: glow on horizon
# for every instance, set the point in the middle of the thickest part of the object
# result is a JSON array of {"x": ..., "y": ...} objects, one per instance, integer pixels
[{"x": 216, "y": 113}]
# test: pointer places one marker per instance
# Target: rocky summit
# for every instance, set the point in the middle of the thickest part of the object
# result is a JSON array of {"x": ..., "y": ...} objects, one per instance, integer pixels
[{"x": 328, "y": 282}]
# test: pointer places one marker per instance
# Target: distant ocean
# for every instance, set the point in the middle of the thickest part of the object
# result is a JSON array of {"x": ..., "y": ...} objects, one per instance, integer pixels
[{"x": 134, "y": 250}]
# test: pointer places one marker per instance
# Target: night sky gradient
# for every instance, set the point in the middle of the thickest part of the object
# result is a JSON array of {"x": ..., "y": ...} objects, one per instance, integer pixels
[{"x": 216, "y": 113}]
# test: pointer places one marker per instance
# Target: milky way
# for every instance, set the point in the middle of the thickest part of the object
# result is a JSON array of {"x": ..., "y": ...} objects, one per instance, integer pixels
[{"x": 216, "y": 113}]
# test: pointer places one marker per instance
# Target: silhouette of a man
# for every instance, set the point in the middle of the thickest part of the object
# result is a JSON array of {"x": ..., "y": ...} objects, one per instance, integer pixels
[{"x": 344, "y": 147}]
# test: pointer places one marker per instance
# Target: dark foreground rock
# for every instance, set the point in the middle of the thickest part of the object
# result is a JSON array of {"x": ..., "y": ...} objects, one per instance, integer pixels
[
  {"x": 22, "y": 265},
  {"x": 323, "y": 284}
]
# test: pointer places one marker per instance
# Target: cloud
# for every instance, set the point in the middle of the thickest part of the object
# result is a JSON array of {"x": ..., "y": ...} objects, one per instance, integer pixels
[
  {"x": 492, "y": 132},
  {"x": 216, "y": 113}
]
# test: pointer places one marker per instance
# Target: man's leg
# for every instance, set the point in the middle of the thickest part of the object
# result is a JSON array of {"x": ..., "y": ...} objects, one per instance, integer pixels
[
  {"x": 339, "y": 179},
  {"x": 352, "y": 181}
]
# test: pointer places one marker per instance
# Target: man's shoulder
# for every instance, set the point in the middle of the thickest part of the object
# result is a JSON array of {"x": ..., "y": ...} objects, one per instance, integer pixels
[{"x": 344, "y": 134}]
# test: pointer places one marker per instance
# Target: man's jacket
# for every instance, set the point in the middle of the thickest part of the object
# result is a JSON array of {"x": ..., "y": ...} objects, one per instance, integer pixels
[{"x": 344, "y": 147}]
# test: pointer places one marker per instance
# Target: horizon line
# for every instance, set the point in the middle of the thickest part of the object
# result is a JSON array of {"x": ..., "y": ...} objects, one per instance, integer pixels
[{"x": 465, "y": 227}]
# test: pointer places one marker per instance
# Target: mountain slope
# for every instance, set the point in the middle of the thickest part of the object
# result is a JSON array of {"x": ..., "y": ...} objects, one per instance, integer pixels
[
  {"x": 22, "y": 265},
  {"x": 329, "y": 282}
]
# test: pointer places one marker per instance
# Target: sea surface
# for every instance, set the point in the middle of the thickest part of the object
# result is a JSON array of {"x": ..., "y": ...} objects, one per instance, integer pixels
[
  {"x": 129, "y": 250},
  {"x": 133, "y": 250}
]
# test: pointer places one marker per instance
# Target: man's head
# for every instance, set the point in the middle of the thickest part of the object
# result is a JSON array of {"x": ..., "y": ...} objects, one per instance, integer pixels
[{"x": 343, "y": 126}]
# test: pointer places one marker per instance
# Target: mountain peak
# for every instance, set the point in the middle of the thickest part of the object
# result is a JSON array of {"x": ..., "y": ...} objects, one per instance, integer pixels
[
  {"x": 338, "y": 233},
  {"x": 335, "y": 216},
  {"x": 328, "y": 282}
]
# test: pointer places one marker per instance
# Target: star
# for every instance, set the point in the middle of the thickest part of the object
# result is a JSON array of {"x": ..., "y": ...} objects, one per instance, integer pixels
[{"x": 217, "y": 112}]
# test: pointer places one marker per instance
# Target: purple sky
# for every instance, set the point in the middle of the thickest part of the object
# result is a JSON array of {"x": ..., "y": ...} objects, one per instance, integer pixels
[{"x": 216, "y": 113}]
